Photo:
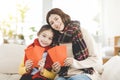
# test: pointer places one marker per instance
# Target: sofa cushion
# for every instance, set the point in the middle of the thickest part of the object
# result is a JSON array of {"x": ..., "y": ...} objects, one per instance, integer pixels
[
  {"x": 9, "y": 76},
  {"x": 112, "y": 69},
  {"x": 10, "y": 57}
]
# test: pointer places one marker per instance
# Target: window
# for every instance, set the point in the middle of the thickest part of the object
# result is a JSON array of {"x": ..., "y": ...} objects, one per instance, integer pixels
[
  {"x": 20, "y": 17},
  {"x": 86, "y": 11}
]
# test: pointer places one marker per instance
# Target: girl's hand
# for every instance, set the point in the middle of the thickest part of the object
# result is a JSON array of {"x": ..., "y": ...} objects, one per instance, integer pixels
[
  {"x": 41, "y": 64},
  {"x": 68, "y": 61},
  {"x": 28, "y": 65},
  {"x": 56, "y": 67}
]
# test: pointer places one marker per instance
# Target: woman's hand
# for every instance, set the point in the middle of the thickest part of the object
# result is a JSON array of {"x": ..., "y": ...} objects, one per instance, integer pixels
[
  {"x": 68, "y": 61},
  {"x": 56, "y": 67},
  {"x": 28, "y": 65}
]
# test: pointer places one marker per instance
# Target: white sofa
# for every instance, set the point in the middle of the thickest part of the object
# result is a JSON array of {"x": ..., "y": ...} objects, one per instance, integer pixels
[
  {"x": 12, "y": 54},
  {"x": 10, "y": 58},
  {"x": 111, "y": 69}
]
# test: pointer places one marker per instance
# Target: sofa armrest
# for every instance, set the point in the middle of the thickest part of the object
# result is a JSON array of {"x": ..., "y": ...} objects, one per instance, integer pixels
[
  {"x": 10, "y": 57},
  {"x": 111, "y": 69}
]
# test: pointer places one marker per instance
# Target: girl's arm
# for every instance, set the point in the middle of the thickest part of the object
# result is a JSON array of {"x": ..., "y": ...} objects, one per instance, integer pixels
[
  {"x": 48, "y": 74},
  {"x": 22, "y": 69},
  {"x": 44, "y": 72}
]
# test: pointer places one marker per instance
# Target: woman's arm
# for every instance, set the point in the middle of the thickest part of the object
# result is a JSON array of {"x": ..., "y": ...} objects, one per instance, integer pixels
[{"x": 93, "y": 59}]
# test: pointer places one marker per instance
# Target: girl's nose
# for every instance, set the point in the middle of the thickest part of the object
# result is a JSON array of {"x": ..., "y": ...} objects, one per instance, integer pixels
[{"x": 45, "y": 39}]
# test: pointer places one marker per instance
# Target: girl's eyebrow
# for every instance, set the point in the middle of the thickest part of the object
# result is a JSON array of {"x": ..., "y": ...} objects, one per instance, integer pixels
[{"x": 45, "y": 33}]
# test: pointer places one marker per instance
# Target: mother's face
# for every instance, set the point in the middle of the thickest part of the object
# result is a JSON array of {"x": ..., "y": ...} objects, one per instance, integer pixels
[{"x": 56, "y": 22}]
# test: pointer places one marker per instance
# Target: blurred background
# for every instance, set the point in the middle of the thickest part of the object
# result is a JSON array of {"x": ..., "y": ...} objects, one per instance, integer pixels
[{"x": 21, "y": 19}]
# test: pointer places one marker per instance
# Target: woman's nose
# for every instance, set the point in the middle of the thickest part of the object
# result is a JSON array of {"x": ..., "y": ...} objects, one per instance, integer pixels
[{"x": 56, "y": 25}]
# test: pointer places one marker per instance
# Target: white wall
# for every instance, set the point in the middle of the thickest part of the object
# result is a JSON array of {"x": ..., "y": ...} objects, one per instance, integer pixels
[
  {"x": 47, "y": 5},
  {"x": 110, "y": 20}
]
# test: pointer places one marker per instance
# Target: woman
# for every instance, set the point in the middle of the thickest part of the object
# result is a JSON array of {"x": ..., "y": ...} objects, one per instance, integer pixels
[{"x": 81, "y": 65}]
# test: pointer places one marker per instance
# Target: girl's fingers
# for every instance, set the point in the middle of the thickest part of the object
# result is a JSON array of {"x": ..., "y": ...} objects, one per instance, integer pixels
[
  {"x": 29, "y": 63},
  {"x": 56, "y": 66}
]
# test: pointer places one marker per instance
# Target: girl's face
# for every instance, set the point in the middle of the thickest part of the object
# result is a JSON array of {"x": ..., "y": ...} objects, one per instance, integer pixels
[
  {"x": 45, "y": 38},
  {"x": 56, "y": 22}
]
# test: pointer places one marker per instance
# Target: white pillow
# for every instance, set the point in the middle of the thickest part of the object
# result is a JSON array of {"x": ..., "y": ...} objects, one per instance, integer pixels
[
  {"x": 10, "y": 57},
  {"x": 112, "y": 69}
]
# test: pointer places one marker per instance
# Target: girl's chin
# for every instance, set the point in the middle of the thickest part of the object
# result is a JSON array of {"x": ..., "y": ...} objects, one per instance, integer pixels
[{"x": 43, "y": 45}]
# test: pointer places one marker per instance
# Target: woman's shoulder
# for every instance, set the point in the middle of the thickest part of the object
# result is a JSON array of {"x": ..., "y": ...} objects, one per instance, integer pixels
[{"x": 75, "y": 22}]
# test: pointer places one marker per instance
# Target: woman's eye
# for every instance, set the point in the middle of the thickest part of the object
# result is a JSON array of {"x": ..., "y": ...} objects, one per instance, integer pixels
[
  {"x": 51, "y": 22},
  {"x": 56, "y": 19}
]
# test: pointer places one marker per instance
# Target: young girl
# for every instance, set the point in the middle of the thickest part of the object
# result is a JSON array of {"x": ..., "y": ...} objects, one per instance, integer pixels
[{"x": 39, "y": 69}]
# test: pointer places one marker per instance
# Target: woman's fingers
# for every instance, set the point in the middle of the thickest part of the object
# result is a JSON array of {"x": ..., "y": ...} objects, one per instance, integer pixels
[{"x": 68, "y": 61}]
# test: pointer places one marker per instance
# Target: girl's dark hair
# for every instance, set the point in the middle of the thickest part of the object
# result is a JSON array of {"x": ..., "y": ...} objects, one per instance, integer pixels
[
  {"x": 43, "y": 28},
  {"x": 65, "y": 17}
]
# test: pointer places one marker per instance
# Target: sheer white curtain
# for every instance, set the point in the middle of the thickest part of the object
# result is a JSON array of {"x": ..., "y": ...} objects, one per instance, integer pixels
[
  {"x": 19, "y": 23},
  {"x": 86, "y": 11},
  {"x": 1, "y": 38}
]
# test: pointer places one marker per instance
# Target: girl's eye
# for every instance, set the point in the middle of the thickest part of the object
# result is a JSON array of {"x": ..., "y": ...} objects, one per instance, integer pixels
[{"x": 43, "y": 35}]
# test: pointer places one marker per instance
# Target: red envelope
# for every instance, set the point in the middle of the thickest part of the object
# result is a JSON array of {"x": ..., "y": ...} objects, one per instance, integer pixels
[
  {"x": 35, "y": 54},
  {"x": 58, "y": 54}
]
